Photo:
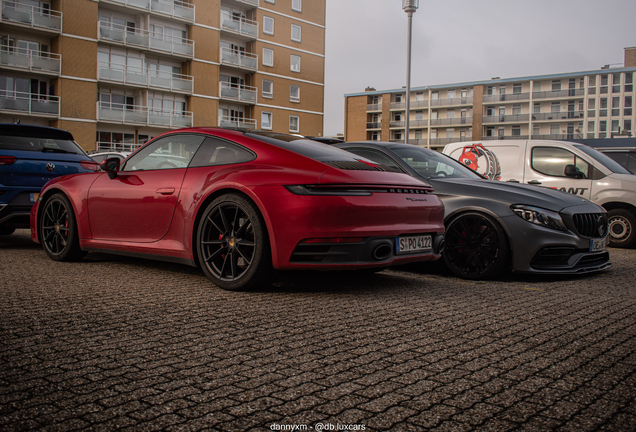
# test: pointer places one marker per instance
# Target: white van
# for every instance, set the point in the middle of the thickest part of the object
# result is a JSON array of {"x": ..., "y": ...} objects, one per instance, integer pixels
[{"x": 570, "y": 167}]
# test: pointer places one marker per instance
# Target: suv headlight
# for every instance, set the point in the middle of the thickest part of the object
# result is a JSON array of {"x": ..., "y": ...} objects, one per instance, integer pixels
[{"x": 539, "y": 216}]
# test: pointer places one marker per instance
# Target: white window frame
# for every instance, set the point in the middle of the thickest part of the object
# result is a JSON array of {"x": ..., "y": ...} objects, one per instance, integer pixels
[
  {"x": 299, "y": 30},
  {"x": 268, "y": 94},
  {"x": 270, "y": 116},
  {"x": 291, "y": 93},
  {"x": 291, "y": 63},
  {"x": 297, "y": 5},
  {"x": 297, "y": 123},
  {"x": 268, "y": 50},
  {"x": 267, "y": 20},
  {"x": 270, "y": 1}
]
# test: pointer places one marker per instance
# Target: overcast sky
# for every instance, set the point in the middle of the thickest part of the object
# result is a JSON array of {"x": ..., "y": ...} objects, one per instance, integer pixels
[{"x": 467, "y": 40}]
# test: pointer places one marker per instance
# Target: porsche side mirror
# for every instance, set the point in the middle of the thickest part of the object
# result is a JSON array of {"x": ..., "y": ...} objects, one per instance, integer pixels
[
  {"x": 571, "y": 171},
  {"x": 110, "y": 166}
]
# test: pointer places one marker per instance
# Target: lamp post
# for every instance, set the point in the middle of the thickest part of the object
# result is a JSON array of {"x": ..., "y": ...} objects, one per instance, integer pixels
[{"x": 409, "y": 6}]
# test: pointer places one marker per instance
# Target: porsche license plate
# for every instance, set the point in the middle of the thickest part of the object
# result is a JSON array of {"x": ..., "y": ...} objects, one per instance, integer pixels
[
  {"x": 413, "y": 244},
  {"x": 597, "y": 245}
]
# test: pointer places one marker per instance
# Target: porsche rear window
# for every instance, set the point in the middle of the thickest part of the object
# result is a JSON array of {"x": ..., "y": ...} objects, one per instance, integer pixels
[{"x": 303, "y": 146}]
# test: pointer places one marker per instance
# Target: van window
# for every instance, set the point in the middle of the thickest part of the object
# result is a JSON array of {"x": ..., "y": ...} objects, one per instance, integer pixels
[
  {"x": 602, "y": 158},
  {"x": 551, "y": 161}
]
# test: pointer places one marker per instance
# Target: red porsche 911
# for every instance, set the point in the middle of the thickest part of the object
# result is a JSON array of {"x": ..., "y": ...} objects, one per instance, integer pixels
[{"x": 242, "y": 204}]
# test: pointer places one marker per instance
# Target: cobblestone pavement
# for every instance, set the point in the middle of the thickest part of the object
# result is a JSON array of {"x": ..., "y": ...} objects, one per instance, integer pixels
[{"x": 115, "y": 342}]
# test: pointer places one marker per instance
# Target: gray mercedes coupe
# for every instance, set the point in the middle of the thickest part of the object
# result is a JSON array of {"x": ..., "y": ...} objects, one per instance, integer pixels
[{"x": 493, "y": 227}]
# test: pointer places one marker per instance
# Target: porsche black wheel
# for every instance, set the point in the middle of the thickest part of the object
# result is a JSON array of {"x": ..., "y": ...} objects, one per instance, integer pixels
[
  {"x": 233, "y": 245},
  {"x": 476, "y": 247},
  {"x": 58, "y": 230}
]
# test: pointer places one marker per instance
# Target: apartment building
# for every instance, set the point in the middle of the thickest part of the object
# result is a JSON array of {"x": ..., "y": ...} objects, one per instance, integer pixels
[
  {"x": 118, "y": 72},
  {"x": 588, "y": 104}
]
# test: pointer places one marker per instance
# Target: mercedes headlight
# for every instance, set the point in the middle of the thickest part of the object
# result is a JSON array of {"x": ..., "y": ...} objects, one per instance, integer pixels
[{"x": 539, "y": 216}]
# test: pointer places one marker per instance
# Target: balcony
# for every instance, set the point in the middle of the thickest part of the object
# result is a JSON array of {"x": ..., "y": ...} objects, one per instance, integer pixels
[
  {"x": 398, "y": 105},
  {"x": 559, "y": 136},
  {"x": 30, "y": 60},
  {"x": 514, "y": 118},
  {"x": 397, "y": 124},
  {"x": 374, "y": 125},
  {"x": 506, "y": 97},
  {"x": 32, "y": 104},
  {"x": 142, "y": 77},
  {"x": 243, "y": 60},
  {"x": 419, "y": 103},
  {"x": 119, "y": 147},
  {"x": 558, "y": 94},
  {"x": 143, "y": 39},
  {"x": 418, "y": 123},
  {"x": 141, "y": 115},
  {"x": 507, "y": 137},
  {"x": 374, "y": 107},
  {"x": 452, "y": 101},
  {"x": 452, "y": 121},
  {"x": 444, "y": 141},
  {"x": 235, "y": 122},
  {"x": 236, "y": 92},
  {"x": 562, "y": 115},
  {"x": 238, "y": 25},
  {"x": 422, "y": 142},
  {"x": 240, "y": 3},
  {"x": 174, "y": 9},
  {"x": 36, "y": 18}
]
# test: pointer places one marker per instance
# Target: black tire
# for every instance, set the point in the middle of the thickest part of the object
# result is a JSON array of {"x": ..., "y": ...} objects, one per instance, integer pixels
[
  {"x": 233, "y": 245},
  {"x": 7, "y": 231},
  {"x": 58, "y": 230},
  {"x": 476, "y": 247},
  {"x": 622, "y": 228}
]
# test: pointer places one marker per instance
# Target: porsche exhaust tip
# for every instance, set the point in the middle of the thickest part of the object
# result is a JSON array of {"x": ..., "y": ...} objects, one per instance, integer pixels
[{"x": 382, "y": 252}]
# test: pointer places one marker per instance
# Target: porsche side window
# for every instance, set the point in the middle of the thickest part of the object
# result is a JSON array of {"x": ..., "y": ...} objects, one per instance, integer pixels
[
  {"x": 174, "y": 151},
  {"x": 552, "y": 161},
  {"x": 219, "y": 152}
]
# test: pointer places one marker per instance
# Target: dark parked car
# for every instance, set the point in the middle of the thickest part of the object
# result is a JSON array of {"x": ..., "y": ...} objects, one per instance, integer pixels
[
  {"x": 494, "y": 226},
  {"x": 625, "y": 157},
  {"x": 30, "y": 156}
]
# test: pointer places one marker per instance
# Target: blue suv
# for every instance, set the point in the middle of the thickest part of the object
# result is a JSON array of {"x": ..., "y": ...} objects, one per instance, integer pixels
[{"x": 30, "y": 156}]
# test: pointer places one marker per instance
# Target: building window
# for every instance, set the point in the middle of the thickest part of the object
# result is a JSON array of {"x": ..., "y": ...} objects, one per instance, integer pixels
[
  {"x": 268, "y": 57},
  {"x": 293, "y": 123},
  {"x": 536, "y": 130},
  {"x": 604, "y": 82},
  {"x": 435, "y": 95},
  {"x": 554, "y": 129},
  {"x": 629, "y": 82},
  {"x": 602, "y": 107},
  {"x": 602, "y": 126},
  {"x": 556, "y": 85},
  {"x": 419, "y": 115},
  {"x": 376, "y": 136},
  {"x": 627, "y": 125},
  {"x": 516, "y": 109},
  {"x": 266, "y": 120},
  {"x": 268, "y": 25},
  {"x": 555, "y": 107},
  {"x": 418, "y": 134},
  {"x": 516, "y": 88},
  {"x": 615, "y": 126},
  {"x": 536, "y": 87},
  {"x": 451, "y": 94},
  {"x": 295, "y": 32},
  {"x": 419, "y": 96},
  {"x": 616, "y": 106},
  {"x": 628, "y": 106},
  {"x": 536, "y": 108},
  {"x": 398, "y": 98},
  {"x": 590, "y": 126},
  {"x": 297, "y": 5},
  {"x": 268, "y": 89},
  {"x": 433, "y": 133},
  {"x": 516, "y": 130},
  {"x": 450, "y": 133},
  {"x": 294, "y": 93},
  {"x": 616, "y": 83},
  {"x": 591, "y": 106},
  {"x": 295, "y": 63}
]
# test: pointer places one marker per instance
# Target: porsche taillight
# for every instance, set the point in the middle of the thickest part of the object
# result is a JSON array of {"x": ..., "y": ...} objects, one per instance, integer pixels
[
  {"x": 7, "y": 160},
  {"x": 90, "y": 165}
]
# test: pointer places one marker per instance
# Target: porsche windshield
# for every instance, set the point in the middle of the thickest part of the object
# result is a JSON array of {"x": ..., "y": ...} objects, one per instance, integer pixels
[{"x": 431, "y": 164}]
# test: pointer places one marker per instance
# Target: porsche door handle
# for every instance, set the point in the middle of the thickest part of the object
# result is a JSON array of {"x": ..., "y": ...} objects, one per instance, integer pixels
[
  {"x": 165, "y": 191},
  {"x": 534, "y": 182}
]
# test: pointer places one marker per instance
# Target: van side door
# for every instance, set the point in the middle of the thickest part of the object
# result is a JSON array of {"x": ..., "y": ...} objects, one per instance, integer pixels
[{"x": 557, "y": 167}]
